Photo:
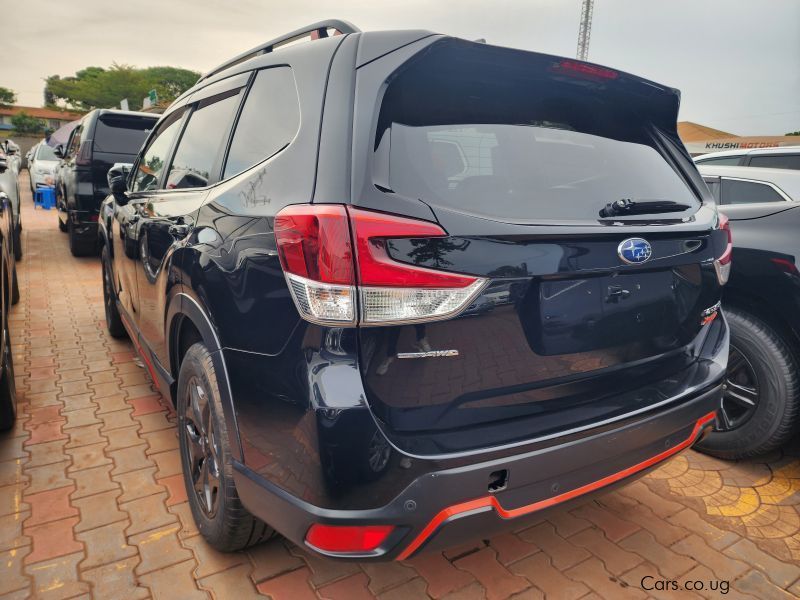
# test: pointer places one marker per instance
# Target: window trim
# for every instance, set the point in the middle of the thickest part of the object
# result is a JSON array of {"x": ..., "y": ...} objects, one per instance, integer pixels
[
  {"x": 777, "y": 189},
  {"x": 750, "y": 158}
]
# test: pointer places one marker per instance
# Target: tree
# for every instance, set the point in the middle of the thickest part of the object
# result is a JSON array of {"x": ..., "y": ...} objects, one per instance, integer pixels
[
  {"x": 793, "y": 133},
  {"x": 7, "y": 96},
  {"x": 96, "y": 87},
  {"x": 24, "y": 123}
]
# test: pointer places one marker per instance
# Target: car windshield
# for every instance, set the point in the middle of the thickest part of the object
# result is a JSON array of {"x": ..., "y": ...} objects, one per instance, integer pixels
[{"x": 45, "y": 152}]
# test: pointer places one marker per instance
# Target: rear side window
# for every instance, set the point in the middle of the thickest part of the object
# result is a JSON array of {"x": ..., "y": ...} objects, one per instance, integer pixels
[
  {"x": 119, "y": 134},
  {"x": 269, "y": 120},
  {"x": 724, "y": 160},
  {"x": 776, "y": 161},
  {"x": 202, "y": 141},
  {"x": 502, "y": 137},
  {"x": 733, "y": 191}
]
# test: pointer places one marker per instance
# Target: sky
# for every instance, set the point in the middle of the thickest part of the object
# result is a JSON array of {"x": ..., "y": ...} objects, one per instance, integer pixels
[{"x": 736, "y": 62}]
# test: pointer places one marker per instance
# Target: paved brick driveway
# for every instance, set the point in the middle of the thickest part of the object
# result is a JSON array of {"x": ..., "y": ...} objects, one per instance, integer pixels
[{"x": 91, "y": 500}]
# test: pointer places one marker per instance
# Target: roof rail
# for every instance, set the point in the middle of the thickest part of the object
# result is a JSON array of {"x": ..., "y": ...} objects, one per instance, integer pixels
[{"x": 320, "y": 29}]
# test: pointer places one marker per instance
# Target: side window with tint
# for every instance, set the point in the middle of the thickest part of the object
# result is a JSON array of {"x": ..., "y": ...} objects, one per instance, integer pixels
[
  {"x": 747, "y": 192},
  {"x": 202, "y": 142},
  {"x": 269, "y": 120},
  {"x": 74, "y": 142},
  {"x": 727, "y": 160},
  {"x": 152, "y": 163},
  {"x": 776, "y": 161}
]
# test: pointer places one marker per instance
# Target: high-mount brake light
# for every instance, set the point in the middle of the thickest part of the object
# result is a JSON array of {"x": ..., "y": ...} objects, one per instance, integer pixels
[
  {"x": 576, "y": 68},
  {"x": 722, "y": 265},
  {"x": 325, "y": 274}
]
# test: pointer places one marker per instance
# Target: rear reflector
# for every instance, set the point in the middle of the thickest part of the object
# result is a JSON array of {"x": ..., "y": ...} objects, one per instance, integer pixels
[
  {"x": 325, "y": 273},
  {"x": 347, "y": 539}
]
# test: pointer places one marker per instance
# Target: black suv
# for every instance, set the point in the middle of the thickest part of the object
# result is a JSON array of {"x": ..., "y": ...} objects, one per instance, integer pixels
[
  {"x": 102, "y": 138},
  {"x": 405, "y": 289},
  {"x": 9, "y": 294}
]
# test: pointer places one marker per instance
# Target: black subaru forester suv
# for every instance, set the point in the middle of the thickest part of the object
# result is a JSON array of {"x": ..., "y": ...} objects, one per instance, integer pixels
[{"x": 405, "y": 289}]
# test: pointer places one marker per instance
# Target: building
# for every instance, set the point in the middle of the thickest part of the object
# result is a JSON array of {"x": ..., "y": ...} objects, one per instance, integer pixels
[
  {"x": 53, "y": 118},
  {"x": 700, "y": 139}
]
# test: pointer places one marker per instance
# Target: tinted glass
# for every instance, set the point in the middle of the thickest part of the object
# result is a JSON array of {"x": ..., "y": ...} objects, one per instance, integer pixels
[
  {"x": 148, "y": 171},
  {"x": 45, "y": 152},
  {"x": 121, "y": 135},
  {"x": 505, "y": 139},
  {"x": 776, "y": 161},
  {"x": 725, "y": 160},
  {"x": 74, "y": 142},
  {"x": 269, "y": 120},
  {"x": 747, "y": 192},
  {"x": 202, "y": 142}
]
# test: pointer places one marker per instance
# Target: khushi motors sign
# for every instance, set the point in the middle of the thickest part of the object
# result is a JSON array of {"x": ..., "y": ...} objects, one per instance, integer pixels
[{"x": 740, "y": 143}]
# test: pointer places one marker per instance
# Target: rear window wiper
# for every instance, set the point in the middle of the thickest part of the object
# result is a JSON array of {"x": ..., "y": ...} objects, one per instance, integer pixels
[{"x": 626, "y": 206}]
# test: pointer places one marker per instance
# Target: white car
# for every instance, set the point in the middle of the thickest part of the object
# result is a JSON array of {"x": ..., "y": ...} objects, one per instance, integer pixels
[
  {"x": 783, "y": 157},
  {"x": 42, "y": 166},
  {"x": 751, "y": 185}
]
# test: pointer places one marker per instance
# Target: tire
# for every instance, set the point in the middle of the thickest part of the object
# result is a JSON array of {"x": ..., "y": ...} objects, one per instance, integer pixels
[
  {"x": 14, "y": 286},
  {"x": 205, "y": 453},
  {"x": 113, "y": 318},
  {"x": 17, "y": 241},
  {"x": 8, "y": 388},
  {"x": 78, "y": 246},
  {"x": 772, "y": 373}
]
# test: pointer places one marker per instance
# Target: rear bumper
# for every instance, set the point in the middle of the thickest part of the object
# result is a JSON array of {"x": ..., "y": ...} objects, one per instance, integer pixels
[{"x": 445, "y": 507}]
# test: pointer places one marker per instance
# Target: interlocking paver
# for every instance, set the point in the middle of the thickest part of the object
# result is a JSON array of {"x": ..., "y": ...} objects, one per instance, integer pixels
[{"x": 92, "y": 499}]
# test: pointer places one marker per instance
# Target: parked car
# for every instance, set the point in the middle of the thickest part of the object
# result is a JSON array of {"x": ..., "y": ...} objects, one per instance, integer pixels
[
  {"x": 300, "y": 287},
  {"x": 749, "y": 185},
  {"x": 42, "y": 166},
  {"x": 784, "y": 157},
  {"x": 9, "y": 294},
  {"x": 762, "y": 301},
  {"x": 102, "y": 138},
  {"x": 9, "y": 183}
]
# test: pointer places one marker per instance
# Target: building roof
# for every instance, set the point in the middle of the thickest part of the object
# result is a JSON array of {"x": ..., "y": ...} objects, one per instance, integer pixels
[
  {"x": 40, "y": 113},
  {"x": 693, "y": 132}
]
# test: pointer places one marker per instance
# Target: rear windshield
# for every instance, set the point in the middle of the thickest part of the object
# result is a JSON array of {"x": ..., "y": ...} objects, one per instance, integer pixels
[
  {"x": 45, "y": 152},
  {"x": 499, "y": 136},
  {"x": 120, "y": 134}
]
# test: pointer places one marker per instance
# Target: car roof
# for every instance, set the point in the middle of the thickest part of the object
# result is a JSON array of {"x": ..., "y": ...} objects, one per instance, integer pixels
[
  {"x": 751, "y": 152},
  {"x": 786, "y": 179}
]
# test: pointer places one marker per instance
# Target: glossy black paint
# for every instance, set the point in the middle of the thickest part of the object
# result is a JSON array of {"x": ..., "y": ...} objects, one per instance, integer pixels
[
  {"x": 764, "y": 278},
  {"x": 311, "y": 420},
  {"x": 81, "y": 188},
  {"x": 7, "y": 262}
]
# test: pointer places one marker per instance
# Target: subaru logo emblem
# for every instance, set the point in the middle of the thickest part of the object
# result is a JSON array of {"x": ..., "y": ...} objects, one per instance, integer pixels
[{"x": 634, "y": 251}]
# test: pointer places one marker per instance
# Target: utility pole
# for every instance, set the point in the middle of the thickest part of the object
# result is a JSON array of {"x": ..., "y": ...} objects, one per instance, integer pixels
[{"x": 585, "y": 29}]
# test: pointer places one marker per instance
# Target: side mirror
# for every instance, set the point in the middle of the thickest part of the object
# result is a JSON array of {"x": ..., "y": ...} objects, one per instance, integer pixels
[
  {"x": 118, "y": 181},
  {"x": 59, "y": 151},
  {"x": 3, "y": 164}
]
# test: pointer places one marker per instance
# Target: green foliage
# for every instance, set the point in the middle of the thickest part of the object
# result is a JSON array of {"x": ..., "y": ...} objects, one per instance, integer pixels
[
  {"x": 793, "y": 133},
  {"x": 95, "y": 87},
  {"x": 7, "y": 96},
  {"x": 24, "y": 123}
]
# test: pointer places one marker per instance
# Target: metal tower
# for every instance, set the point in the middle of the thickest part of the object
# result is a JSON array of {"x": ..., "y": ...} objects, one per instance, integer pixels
[{"x": 585, "y": 29}]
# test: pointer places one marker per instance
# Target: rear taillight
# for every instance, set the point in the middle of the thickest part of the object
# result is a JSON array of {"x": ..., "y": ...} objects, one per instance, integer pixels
[
  {"x": 347, "y": 539},
  {"x": 723, "y": 264},
  {"x": 324, "y": 273},
  {"x": 84, "y": 153}
]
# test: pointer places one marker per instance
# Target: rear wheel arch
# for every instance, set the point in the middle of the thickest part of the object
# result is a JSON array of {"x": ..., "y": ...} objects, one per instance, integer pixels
[
  {"x": 188, "y": 323},
  {"x": 756, "y": 306}
]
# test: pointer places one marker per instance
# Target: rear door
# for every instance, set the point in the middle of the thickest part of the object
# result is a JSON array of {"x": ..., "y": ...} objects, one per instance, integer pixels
[
  {"x": 586, "y": 318},
  {"x": 166, "y": 219}
]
